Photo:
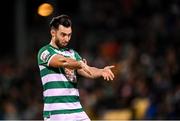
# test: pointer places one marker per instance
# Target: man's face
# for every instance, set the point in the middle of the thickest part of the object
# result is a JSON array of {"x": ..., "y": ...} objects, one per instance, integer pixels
[{"x": 63, "y": 36}]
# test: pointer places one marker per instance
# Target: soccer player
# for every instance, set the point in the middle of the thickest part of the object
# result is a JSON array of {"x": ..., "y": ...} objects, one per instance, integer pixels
[{"x": 58, "y": 68}]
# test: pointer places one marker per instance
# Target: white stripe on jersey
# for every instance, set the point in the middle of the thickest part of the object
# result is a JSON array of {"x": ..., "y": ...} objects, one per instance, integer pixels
[
  {"x": 61, "y": 92},
  {"x": 53, "y": 77},
  {"x": 66, "y": 53},
  {"x": 62, "y": 106},
  {"x": 41, "y": 67}
]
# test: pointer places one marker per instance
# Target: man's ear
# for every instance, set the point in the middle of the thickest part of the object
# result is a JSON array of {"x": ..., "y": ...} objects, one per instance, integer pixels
[{"x": 53, "y": 32}]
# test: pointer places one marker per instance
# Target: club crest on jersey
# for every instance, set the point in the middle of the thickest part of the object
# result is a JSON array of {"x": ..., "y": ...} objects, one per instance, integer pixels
[{"x": 45, "y": 55}]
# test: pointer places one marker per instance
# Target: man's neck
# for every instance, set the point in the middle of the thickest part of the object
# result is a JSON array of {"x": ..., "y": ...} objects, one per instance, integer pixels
[{"x": 54, "y": 45}]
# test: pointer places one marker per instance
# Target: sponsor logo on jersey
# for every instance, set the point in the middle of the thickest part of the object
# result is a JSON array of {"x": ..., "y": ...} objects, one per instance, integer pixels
[{"x": 45, "y": 55}]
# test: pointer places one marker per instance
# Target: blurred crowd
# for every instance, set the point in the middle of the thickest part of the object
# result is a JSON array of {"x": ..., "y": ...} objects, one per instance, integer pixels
[
  {"x": 140, "y": 37},
  {"x": 20, "y": 90}
]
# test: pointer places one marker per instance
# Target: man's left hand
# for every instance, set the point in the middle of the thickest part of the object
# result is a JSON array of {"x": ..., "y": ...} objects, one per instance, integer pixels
[{"x": 107, "y": 74}]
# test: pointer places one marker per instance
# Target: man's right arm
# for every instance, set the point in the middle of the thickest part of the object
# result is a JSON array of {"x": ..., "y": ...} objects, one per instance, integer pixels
[{"x": 58, "y": 60}]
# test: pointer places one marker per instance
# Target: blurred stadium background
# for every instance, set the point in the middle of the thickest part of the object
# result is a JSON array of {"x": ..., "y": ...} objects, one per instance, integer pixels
[{"x": 140, "y": 37}]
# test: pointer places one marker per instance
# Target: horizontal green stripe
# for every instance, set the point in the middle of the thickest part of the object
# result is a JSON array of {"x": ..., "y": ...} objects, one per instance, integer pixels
[
  {"x": 50, "y": 70},
  {"x": 48, "y": 113},
  {"x": 61, "y": 99},
  {"x": 59, "y": 84}
]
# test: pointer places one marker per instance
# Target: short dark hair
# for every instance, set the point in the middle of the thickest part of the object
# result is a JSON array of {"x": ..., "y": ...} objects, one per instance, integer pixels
[{"x": 60, "y": 20}]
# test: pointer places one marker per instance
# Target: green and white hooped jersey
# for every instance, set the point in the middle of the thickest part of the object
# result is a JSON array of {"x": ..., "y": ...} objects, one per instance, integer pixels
[{"x": 61, "y": 96}]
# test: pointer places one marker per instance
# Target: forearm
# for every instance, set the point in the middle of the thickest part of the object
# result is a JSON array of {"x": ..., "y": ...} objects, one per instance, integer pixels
[
  {"x": 61, "y": 61},
  {"x": 72, "y": 64},
  {"x": 106, "y": 73},
  {"x": 96, "y": 72}
]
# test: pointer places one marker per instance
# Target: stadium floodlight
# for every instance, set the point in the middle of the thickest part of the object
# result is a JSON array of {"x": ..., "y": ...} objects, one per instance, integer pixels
[{"x": 45, "y": 9}]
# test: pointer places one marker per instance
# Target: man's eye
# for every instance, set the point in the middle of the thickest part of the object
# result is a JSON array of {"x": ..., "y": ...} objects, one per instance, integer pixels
[{"x": 63, "y": 34}]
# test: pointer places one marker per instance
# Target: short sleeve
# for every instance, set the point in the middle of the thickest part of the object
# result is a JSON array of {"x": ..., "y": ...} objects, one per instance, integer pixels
[{"x": 44, "y": 56}]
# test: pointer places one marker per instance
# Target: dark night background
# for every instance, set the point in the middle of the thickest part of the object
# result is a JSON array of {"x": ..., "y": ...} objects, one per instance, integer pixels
[{"x": 140, "y": 37}]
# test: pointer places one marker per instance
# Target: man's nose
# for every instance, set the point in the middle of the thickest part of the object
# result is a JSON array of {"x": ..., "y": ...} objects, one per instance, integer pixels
[{"x": 66, "y": 38}]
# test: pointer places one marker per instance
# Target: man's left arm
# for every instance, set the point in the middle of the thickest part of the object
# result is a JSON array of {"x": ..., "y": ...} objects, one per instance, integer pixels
[{"x": 105, "y": 72}]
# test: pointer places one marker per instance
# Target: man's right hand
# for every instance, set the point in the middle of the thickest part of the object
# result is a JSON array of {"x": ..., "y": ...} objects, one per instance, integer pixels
[{"x": 85, "y": 67}]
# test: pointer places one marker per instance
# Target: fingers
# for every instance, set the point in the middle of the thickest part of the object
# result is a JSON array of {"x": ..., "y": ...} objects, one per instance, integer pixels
[
  {"x": 109, "y": 67},
  {"x": 86, "y": 70},
  {"x": 104, "y": 77},
  {"x": 68, "y": 71},
  {"x": 107, "y": 76},
  {"x": 111, "y": 77},
  {"x": 111, "y": 73},
  {"x": 85, "y": 67}
]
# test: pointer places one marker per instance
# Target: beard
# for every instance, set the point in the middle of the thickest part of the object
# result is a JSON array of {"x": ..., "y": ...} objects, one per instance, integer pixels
[{"x": 60, "y": 44}]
